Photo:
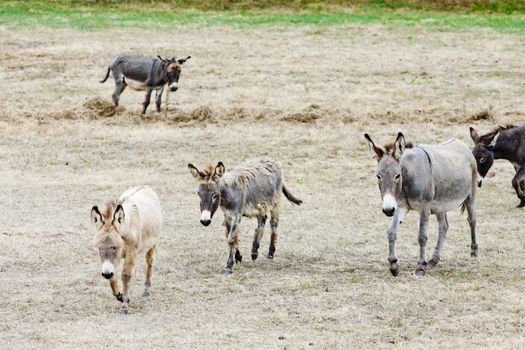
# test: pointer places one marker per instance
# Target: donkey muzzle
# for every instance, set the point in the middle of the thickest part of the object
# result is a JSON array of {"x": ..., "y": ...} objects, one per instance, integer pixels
[
  {"x": 480, "y": 180},
  {"x": 107, "y": 275},
  {"x": 389, "y": 212},
  {"x": 206, "y": 217},
  {"x": 174, "y": 86},
  {"x": 389, "y": 204}
]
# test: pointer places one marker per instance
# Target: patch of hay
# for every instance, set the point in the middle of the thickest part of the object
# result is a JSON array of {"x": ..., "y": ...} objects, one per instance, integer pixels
[
  {"x": 100, "y": 108},
  {"x": 485, "y": 114}
]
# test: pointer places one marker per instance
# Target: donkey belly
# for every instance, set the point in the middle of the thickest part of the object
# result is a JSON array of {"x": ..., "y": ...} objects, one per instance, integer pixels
[{"x": 451, "y": 194}]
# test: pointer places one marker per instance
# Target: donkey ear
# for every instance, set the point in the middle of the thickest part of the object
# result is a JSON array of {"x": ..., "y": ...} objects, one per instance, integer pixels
[
  {"x": 118, "y": 217},
  {"x": 182, "y": 60},
  {"x": 474, "y": 135},
  {"x": 487, "y": 138},
  {"x": 219, "y": 170},
  {"x": 96, "y": 217},
  {"x": 196, "y": 172},
  {"x": 377, "y": 152},
  {"x": 400, "y": 144}
]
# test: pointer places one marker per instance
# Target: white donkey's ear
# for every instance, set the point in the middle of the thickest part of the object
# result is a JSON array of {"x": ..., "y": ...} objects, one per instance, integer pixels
[
  {"x": 96, "y": 217},
  {"x": 118, "y": 217},
  {"x": 374, "y": 151},
  {"x": 400, "y": 144},
  {"x": 219, "y": 170}
]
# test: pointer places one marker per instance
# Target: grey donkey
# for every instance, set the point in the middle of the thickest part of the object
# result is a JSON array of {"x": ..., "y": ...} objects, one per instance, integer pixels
[
  {"x": 144, "y": 74},
  {"x": 432, "y": 179},
  {"x": 251, "y": 189}
]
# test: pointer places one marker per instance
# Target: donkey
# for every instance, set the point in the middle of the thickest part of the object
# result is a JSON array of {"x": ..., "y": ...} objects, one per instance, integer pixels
[
  {"x": 125, "y": 228},
  {"x": 251, "y": 189},
  {"x": 144, "y": 74},
  {"x": 432, "y": 179},
  {"x": 510, "y": 145}
]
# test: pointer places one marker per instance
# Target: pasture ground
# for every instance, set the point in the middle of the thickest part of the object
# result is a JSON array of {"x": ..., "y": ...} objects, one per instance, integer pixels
[{"x": 303, "y": 95}]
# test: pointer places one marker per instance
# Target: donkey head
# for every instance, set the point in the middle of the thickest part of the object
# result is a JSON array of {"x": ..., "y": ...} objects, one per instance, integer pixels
[
  {"x": 108, "y": 239},
  {"x": 209, "y": 191},
  {"x": 483, "y": 152},
  {"x": 172, "y": 71},
  {"x": 388, "y": 171}
]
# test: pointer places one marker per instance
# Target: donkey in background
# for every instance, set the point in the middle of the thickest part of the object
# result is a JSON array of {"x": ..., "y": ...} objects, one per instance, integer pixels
[
  {"x": 144, "y": 74},
  {"x": 432, "y": 179},
  {"x": 251, "y": 189},
  {"x": 509, "y": 145},
  {"x": 125, "y": 228}
]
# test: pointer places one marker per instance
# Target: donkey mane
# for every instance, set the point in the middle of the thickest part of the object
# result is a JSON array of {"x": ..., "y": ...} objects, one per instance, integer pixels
[
  {"x": 505, "y": 127},
  {"x": 389, "y": 148},
  {"x": 208, "y": 172},
  {"x": 110, "y": 208}
]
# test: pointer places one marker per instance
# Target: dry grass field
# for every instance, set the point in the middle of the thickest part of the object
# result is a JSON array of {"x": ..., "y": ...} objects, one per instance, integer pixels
[{"x": 303, "y": 95}]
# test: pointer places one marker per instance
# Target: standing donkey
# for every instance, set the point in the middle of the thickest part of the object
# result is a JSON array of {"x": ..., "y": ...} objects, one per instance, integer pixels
[
  {"x": 126, "y": 228},
  {"x": 509, "y": 145},
  {"x": 432, "y": 179},
  {"x": 251, "y": 189},
  {"x": 144, "y": 74}
]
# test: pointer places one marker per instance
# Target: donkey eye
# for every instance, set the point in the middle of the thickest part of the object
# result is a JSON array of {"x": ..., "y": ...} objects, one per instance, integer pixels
[
  {"x": 379, "y": 177},
  {"x": 114, "y": 249},
  {"x": 215, "y": 196},
  {"x": 397, "y": 177},
  {"x": 482, "y": 160}
]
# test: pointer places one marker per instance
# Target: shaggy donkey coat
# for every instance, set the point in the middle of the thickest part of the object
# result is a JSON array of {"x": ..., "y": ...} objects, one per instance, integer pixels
[
  {"x": 251, "y": 189},
  {"x": 124, "y": 229}
]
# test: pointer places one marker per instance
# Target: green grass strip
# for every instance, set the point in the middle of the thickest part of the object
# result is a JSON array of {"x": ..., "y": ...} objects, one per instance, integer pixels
[{"x": 33, "y": 15}]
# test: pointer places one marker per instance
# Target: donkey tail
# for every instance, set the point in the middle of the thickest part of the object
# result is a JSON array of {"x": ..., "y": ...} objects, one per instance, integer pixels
[
  {"x": 291, "y": 197},
  {"x": 463, "y": 207},
  {"x": 106, "y": 77}
]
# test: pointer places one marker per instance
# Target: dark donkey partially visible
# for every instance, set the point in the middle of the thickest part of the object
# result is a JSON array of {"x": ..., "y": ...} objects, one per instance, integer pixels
[
  {"x": 144, "y": 73},
  {"x": 252, "y": 189},
  {"x": 432, "y": 179},
  {"x": 510, "y": 145}
]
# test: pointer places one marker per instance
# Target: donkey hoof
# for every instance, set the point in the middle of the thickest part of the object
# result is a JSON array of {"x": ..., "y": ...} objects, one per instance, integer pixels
[
  {"x": 228, "y": 271},
  {"x": 124, "y": 311},
  {"x": 474, "y": 253},
  {"x": 254, "y": 256},
  {"x": 394, "y": 269},
  {"x": 119, "y": 297},
  {"x": 522, "y": 204},
  {"x": 238, "y": 259},
  {"x": 146, "y": 294},
  {"x": 420, "y": 272},
  {"x": 432, "y": 262},
  {"x": 270, "y": 257}
]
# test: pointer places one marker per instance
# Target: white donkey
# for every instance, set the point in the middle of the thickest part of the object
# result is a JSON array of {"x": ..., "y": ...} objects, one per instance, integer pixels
[
  {"x": 126, "y": 228},
  {"x": 432, "y": 179}
]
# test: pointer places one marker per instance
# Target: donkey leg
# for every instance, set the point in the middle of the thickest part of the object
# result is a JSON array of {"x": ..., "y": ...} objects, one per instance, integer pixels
[
  {"x": 274, "y": 222},
  {"x": 149, "y": 269},
  {"x": 471, "y": 217},
  {"x": 392, "y": 235},
  {"x": 147, "y": 98},
  {"x": 516, "y": 183},
  {"x": 113, "y": 283},
  {"x": 127, "y": 275},
  {"x": 120, "y": 85},
  {"x": 259, "y": 231},
  {"x": 424, "y": 215},
  {"x": 442, "y": 232},
  {"x": 158, "y": 98},
  {"x": 232, "y": 238}
]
